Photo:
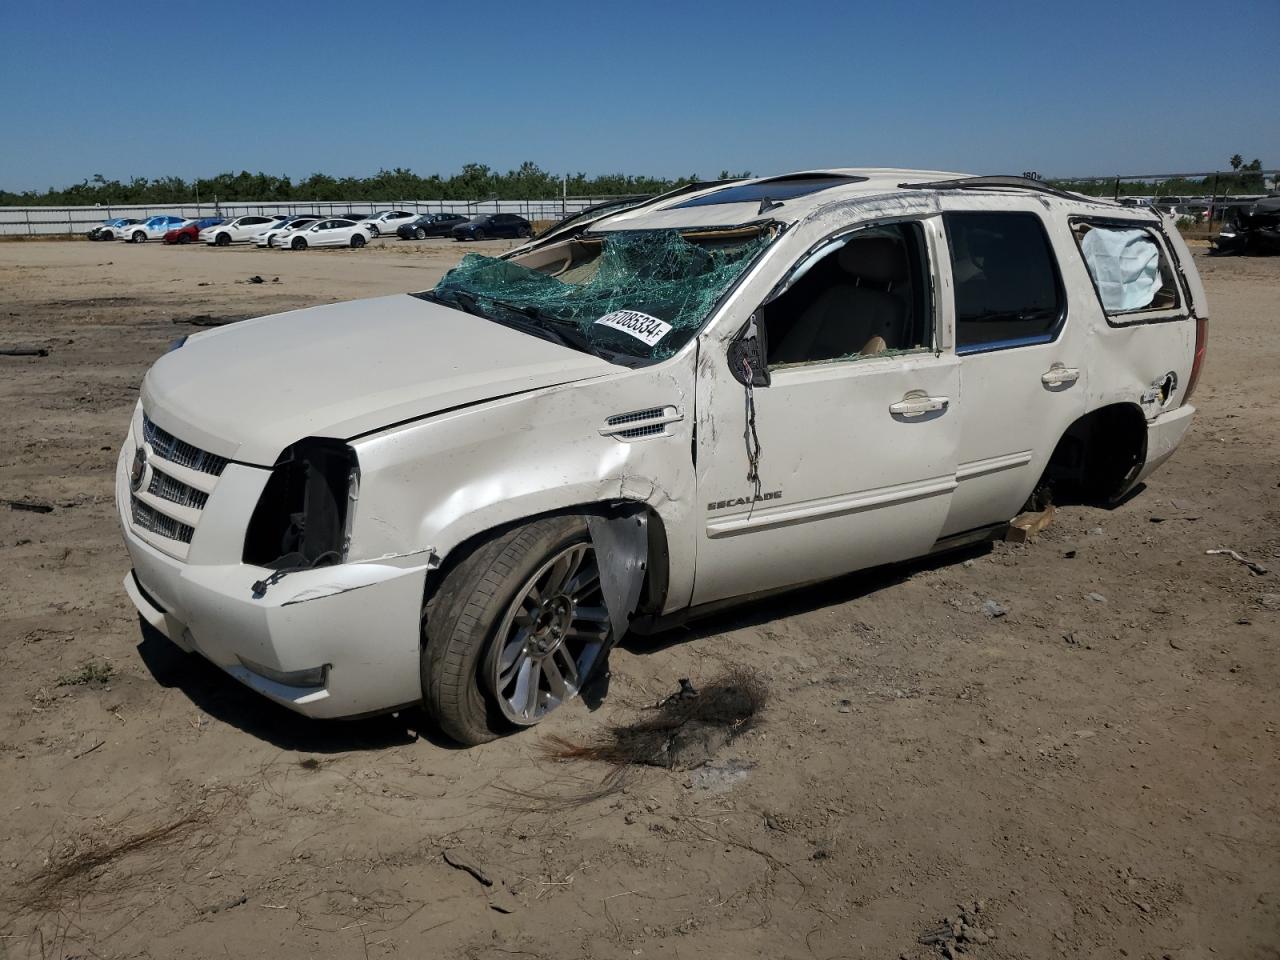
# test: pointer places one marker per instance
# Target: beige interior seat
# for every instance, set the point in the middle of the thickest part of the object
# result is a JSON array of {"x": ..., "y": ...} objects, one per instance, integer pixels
[{"x": 866, "y": 313}]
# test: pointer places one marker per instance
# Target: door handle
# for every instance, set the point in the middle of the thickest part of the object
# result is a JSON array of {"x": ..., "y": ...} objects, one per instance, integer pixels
[
  {"x": 1059, "y": 375},
  {"x": 917, "y": 404}
]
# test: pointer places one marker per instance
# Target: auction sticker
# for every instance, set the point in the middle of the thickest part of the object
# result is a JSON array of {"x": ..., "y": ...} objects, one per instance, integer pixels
[{"x": 643, "y": 327}]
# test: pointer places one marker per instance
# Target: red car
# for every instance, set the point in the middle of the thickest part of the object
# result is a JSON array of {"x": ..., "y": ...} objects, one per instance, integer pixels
[{"x": 188, "y": 231}]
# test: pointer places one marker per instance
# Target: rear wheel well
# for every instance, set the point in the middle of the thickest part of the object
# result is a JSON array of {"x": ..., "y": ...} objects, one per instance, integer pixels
[{"x": 1097, "y": 459}]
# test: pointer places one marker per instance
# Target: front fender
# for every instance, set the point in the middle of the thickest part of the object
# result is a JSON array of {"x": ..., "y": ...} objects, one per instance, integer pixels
[{"x": 436, "y": 483}]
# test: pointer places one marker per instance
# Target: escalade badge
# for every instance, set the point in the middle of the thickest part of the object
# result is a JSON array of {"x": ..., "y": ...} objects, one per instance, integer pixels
[{"x": 139, "y": 469}]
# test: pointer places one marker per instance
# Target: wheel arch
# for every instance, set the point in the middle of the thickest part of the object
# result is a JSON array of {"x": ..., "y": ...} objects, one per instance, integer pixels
[
  {"x": 1099, "y": 457},
  {"x": 657, "y": 559}
]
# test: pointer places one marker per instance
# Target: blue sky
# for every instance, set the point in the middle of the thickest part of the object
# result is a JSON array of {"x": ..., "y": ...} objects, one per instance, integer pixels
[{"x": 153, "y": 88}]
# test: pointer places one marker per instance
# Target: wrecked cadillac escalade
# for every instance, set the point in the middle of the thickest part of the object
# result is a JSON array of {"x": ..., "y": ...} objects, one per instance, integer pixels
[{"x": 463, "y": 497}]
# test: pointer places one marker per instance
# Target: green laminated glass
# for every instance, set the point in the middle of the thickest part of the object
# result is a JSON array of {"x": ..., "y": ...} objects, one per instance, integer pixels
[{"x": 657, "y": 273}]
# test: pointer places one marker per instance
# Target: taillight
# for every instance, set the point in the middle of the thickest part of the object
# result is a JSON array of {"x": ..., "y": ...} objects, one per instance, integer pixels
[{"x": 1202, "y": 336}]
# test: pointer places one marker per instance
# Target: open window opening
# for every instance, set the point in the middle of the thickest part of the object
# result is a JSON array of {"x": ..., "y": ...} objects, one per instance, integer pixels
[{"x": 862, "y": 295}]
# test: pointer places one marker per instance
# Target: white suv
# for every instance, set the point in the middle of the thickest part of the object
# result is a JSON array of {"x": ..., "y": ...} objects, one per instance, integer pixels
[{"x": 464, "y": 497}]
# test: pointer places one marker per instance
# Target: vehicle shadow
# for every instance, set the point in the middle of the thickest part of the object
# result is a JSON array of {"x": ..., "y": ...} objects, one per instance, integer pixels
[
  {"x": 795, "y": 601},
  {"x": 227, "y": 700}
]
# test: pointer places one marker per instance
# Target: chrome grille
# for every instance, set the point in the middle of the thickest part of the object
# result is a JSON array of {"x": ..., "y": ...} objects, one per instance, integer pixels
[
  {"x": 147, "y": 518},
  {"x": 168, "y": 447},
  {"x": 175, "y": 491}
]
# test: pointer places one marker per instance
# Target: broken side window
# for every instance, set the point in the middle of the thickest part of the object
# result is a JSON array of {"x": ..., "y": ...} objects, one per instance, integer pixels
[{"x": 1128, "y": 267}]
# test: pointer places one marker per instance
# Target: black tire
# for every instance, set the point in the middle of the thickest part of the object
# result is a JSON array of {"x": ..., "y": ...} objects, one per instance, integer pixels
[
  {"x": 525, "y": 232},
  {"x": 357, "y": 241},
  {"x": 419, "y": 234},
  {"x": 460, "y": 619},
  {"x": 184, "y": 238},
  {"x": 299, "y": 243},
  {"x": 223, "y": 239},
  {"x": 374, "y": 231},
  {"x": 478, "y": 235},
  {"x": 138, "y": 237}
]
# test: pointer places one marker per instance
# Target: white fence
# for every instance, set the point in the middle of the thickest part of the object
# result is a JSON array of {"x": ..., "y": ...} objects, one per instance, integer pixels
[{"x": 48, "y": 221}]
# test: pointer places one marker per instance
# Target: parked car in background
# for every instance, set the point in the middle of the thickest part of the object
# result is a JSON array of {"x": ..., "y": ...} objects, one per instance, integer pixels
[
  {"x": 267, "y": 238},
  {"x": 190, "y": 229},
  {"x": 153, "y": 228},
  {"x": 239, "y": 230},
  {"x": 386, "y": 221},
  {"x": 334, "y": 232},
  {"x": 429, "y": 225},
  {"x": 464, "y": 497},
  {"x": 489, "y": 225},
  {"x": 111, "y": 229}
]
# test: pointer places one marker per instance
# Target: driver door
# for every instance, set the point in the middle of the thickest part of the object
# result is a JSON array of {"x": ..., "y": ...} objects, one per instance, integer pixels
[{"x": 858, "y": 428}]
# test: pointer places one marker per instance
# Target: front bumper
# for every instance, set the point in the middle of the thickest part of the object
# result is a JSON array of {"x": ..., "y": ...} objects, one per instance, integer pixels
[{"x": 361, "y": 620}]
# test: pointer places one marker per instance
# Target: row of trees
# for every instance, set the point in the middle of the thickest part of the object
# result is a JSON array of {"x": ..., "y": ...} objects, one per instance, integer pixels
[
  {"x": 474, "y": 182},
  {"x": 1243, "y": 178}
]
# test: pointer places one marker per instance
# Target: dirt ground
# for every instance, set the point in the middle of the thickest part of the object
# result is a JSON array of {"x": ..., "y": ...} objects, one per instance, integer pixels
[{"x": 1098, "y": 766}]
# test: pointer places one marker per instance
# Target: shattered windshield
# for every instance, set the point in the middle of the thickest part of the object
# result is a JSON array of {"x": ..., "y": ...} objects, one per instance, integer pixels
[{"x": 633, "y": 296}]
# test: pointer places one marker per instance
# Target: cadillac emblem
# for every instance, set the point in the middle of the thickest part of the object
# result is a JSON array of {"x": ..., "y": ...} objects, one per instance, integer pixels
[{"x": 139, "y": 470}]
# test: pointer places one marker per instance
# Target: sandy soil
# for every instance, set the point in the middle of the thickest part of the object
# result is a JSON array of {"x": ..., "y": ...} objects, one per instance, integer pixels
[{"x": 1101, "y": 773}]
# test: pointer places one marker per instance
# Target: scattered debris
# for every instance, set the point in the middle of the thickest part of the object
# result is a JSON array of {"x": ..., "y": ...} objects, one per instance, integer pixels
[
  {"x": 24, "y": 351},
  {"x": 1097, "y": 597},
  {"x": 1270, "y": 601},
  {"x": 227, "y": 904},
  {"x": 503, "y": 900},
  {"x": 32, "y": 506},
  {"x": 83, "y": 753},
  {"x": 310, "y": 763},
  {"x": 993, "y": 609},
  {"x": 1068, "y": 554},
  {"x": 960, "y": 932},
  {"x": 90, "y": 672},
  {"x": 845, "y": 706},
  {"x": 460, "y": 861},
  {"x": 257, "y": 279},
  {"x": 686, "y": 731},
  {"x": 1027, "y": 526},
  {"x": 1175, "y": 644},
  {"x": 717, "y": 776},
  {"x": 68, "y": 872},
  {"x": 1253, "y": 565}
]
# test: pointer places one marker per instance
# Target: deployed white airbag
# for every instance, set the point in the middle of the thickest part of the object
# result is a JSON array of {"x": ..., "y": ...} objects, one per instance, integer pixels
[{"x": 1125, "y": 266}]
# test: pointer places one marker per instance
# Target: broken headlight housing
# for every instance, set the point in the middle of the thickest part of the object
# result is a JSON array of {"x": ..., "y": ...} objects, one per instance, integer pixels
[{"x": 303, "y": 518}]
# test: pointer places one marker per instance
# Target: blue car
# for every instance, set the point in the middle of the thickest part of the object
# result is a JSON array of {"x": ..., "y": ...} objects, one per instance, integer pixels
[{"x": 111, "y": 229}]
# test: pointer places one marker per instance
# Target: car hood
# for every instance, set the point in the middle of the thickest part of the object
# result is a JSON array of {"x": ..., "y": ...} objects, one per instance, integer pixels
[{"x": 247, "y": 390}]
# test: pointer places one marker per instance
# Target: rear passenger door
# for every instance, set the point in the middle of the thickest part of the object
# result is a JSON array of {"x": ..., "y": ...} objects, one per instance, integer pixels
[{"x": 1021, "y": 348}]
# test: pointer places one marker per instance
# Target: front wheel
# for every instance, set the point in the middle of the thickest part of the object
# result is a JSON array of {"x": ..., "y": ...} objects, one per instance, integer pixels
[
  {"x": 357, "y": 241},
  {"x": 223, "y": 240},
  {"x": 513, "y": 630},
  {"x": 478, "y": 235},
  {"x": 139, "y": 237},
  {"x": 299, "y": 243},
  {"x": 184, "y": 238},
  {"x": 525, "y": 233},
  {"x": 419, "y": 234},
  {"x": 374, "y": 231}
]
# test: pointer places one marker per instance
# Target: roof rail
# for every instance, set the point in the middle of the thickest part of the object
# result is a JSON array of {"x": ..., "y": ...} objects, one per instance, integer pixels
[{"x": 1006, "y": 183}]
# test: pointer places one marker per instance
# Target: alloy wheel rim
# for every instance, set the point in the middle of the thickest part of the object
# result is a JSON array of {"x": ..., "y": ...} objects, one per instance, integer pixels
[{"x": 550, "y": 637}]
